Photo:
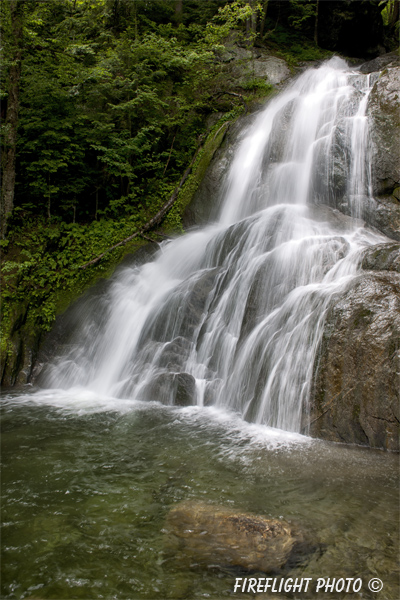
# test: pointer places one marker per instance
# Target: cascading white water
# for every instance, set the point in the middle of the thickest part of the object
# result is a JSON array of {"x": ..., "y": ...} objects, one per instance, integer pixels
[{"x": 233, "y": 314}]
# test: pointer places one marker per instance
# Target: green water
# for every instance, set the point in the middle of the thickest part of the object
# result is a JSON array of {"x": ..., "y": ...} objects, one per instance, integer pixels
[{"x": 87, "y": 483}]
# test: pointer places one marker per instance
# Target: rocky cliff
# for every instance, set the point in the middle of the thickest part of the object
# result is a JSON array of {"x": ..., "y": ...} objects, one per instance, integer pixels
[
  {"x": 356, "y": 395},
  {"x": 384, "y": 114},
  {"x": 356, "y": 390}
]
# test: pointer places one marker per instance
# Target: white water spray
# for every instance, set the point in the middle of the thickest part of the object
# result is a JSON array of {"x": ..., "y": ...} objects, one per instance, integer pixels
[{"x": 233, "y": 315}]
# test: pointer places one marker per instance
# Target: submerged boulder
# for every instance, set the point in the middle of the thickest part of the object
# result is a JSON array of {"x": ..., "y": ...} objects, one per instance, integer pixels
[
  {"x": 215, "y": 535},
  {"x": 356, "y": 390}
]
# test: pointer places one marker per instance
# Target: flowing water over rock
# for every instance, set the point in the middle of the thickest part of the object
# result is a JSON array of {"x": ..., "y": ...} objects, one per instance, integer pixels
[{"x": 232, "y": 315}]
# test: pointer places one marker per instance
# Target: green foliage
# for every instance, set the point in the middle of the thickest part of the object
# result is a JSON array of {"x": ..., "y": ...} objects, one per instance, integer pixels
[
  {"x": 292, "y": 45},
  {"x": 231, "y": 17},
  {"x": 98, "y": 114},
  {"x": 114, "y": 95},
  {"x": 42, "y": 272},
  {"x": 303, "y": 11},
  {"x": 258, "y": 85},
  {"x": 44, "y": 266},
  {"x": 387, "y": 11}
]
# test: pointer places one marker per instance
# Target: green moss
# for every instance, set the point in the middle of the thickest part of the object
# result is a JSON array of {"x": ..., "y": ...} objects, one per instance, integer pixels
[{"x": 173, "y": 221}]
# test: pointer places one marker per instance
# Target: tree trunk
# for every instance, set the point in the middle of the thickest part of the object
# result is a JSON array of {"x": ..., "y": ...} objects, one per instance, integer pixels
[
  {"x": 316, "y": 24},
  {"x": 135, "y": 20},
  {"x": 48, "y": 198},
  {"x": 251, "y": 25},
  {"x": 178, "y": 10},
  {"x": 11, "y": 123},
  {"x": 394, "y": 17},
  {"x": 263, "y": 19},
  {"x": 97, "y": 204}
]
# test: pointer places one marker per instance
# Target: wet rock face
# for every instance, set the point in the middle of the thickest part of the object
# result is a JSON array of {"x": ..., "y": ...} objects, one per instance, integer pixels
[
  {"x": 391, "y": 59},
  {"x": 67, "y": 325},
  {"x": 384, "y": 117},
  {"x": 356, "y": 390},
  {"x": 330, "y": 182},
  {"x": 385, "y": 216},
  {"x": 273, "y": 70},
  {"x": 382, "y": 257},
  {"x": 242, "y": 67},
  {"x": 173, "y": 388},
  {"x": 384, "y": 113},
  {"x": 205, "y": 205},
  {"x": 215, "y": 535}
]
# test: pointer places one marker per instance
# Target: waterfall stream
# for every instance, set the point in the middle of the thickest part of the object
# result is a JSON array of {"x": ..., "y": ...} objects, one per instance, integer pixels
[
  {"x": 232, "y": 315},
  {"x": 227, "y": 319}
]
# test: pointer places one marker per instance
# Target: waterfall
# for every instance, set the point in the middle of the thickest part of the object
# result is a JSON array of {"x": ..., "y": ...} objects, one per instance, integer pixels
[{"x": 233, "y": 314}]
